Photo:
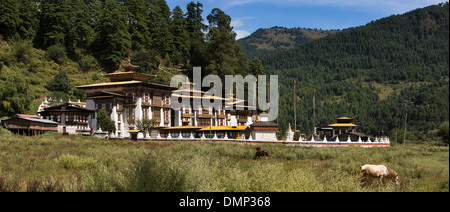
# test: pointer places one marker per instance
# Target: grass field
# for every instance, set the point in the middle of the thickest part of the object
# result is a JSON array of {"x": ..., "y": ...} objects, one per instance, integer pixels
[{"x": 76, "y": 163}]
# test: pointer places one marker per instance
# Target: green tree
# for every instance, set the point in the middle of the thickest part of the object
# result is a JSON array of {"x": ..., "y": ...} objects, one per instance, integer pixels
[
  {"x": 196, "y": 28},
  {"x": 54, "y": 23},
  {"x": 29, "y": 18},
  {"x": 180, "y": 37},
  {"x": 18, "y": 19},
  {"x": 9, "y": 18},
  {"x": 194, "y": 18},
  {"x": 104, "y": 122},
  {"x": 80, "y": 33},
  {"x": 112, "y": 39},
  {"x": 223, "y": 50},
  {"x": 60, "y": 82},
  {"x": 160, "y": 25},
  {"x": 15, "y": 95},
  {"x": 145, "y": 125},
  {"x": 255, "y": 66},
  {"x": 146, "y": 60},
  {"x": 137, "y": 24}
]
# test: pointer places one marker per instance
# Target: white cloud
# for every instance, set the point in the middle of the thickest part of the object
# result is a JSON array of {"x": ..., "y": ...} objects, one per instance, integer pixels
[
  {"x": 238, "y": 24},
  {"x": 241, "y": 33}
]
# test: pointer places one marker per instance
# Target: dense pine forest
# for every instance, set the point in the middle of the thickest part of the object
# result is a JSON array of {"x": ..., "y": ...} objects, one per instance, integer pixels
[
  {"x": 48, "y": 47},
  {"x": 375, "y": 73},
  {"x": 146, "y": 30}
]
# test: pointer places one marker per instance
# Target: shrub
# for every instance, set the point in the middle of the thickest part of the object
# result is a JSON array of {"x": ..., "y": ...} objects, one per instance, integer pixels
[
  {"x": 7, "y": 59},
  {"x": 22, "y": 52},
  {"x": 68, "y": 161},
  {"x": 87, "y": 63},
  {"x": 57, "y": 53},
  {"x": 95, "y": 77}
]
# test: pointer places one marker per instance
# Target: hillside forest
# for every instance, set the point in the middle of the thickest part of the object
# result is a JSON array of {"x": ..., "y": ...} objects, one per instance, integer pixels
[
  {"x": 377, "y": 73},
  {"x": 48, "y": 47}
]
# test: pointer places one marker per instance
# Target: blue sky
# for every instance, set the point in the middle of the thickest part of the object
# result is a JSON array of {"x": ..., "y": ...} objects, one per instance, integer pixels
[{"x": 250, "y": 15}]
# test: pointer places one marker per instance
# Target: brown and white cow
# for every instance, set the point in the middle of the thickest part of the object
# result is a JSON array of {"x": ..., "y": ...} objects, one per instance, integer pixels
[{"x": 368, "y": 172}]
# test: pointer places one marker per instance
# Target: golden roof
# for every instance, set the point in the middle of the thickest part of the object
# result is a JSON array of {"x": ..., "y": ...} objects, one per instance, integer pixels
[
  {"x": 198, "y": 97},
  {"x": 128, "y": 75},
  {"x": 181, "y": 128},
  {"x": 109, "y": 84},
  {"x": 343, "y": 125},
  {"x": 220, "y": 128},
  {"x": 125, "y": 83},
  {"x": 188, "y": 90},
  {"x": 128, "y": 72}
]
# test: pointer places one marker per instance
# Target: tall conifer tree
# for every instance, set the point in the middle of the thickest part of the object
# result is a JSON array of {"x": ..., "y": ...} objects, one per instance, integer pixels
[
  {"x": 196, "y": 28},
  {"x": 18, "y": 19},
  {"x": 223, "y": 50},
  {"x": 81, "y": 32},
  {"x": 137, "y": 23},
  {"x": 180, "y": 37},
  {"x": 54, "y": 23},
  {"x": 9, "y": 18},
  {"x": 112, "y": 39},
  {"x": 161, "y": 29}
]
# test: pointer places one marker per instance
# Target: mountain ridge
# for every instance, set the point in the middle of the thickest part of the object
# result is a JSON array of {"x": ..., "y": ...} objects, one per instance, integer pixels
[
  {"x": 375, "y": 73},
  {"x": 274, "y": 39}
]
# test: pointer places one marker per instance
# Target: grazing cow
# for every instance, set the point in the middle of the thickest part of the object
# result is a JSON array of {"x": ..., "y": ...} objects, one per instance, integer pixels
[
  {"x": 368, "y": 172},
  {"x": 260, "y": 153}
]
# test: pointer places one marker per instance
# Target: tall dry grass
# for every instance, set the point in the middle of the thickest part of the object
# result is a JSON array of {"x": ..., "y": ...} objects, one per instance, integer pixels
[
  {"x": 62, "y": 162},
  {"x": 229, "y": 167},
  {"x": 77, "y": 163}
]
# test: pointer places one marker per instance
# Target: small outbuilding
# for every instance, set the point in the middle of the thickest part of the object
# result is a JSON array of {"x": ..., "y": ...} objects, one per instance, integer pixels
[
  {"x": 264, "y": 131},
  {"x": 72, "y": 119},
  {"x": 25, "y": 125}
]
